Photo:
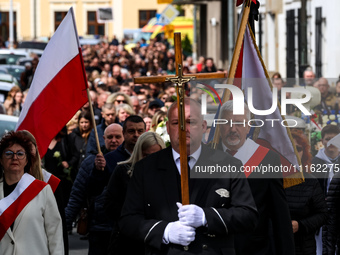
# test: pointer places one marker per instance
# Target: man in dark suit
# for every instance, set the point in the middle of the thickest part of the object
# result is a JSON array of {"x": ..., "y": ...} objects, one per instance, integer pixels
[
  {"x": 219, "y": 207},
  {"x": 267, "y": 189}
]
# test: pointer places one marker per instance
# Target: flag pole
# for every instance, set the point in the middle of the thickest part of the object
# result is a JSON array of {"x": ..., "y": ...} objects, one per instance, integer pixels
[
  {"x": 234, "y": 61},
  {"x": 86, "y": 85},
  {"x": 93, "y": 122}
]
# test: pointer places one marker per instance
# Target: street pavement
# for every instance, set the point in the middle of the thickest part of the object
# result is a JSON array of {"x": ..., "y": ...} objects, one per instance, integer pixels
[{"x": 76, "y": 245}]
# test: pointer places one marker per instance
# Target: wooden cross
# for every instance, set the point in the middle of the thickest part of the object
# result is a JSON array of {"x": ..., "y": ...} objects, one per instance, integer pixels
[{"x": 179, "y": 79}]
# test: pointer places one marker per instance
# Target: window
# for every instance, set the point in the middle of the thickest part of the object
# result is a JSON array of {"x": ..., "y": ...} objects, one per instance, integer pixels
[
  {"x": 145, "y": 16},
  {"x": 58, "y": 17},
  {"x": 93, "y": 27},
  {"x": 318, "y": 42},
  {"x": 4, "y": 25},
  {"x": 290, "y": 42}
]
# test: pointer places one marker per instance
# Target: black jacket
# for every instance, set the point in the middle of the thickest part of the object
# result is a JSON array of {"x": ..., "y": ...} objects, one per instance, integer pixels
[
  {"x": 273, "y": 233},
  {"x": 307, "y": 206},
  {"x": 331, "y": 230},
  {"x": 114, "y": 200},
  {"x": 154, "y": 189},
  {"x": 77, "y": 149},
  {"x": 79, "y": 196},
  {"x": 322, "y": 172}
]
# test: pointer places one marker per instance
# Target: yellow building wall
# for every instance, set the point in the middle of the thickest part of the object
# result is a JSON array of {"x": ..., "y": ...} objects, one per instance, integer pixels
[
  {"x": 131, "y": 15},
  {"x": 127, "y": 15}
]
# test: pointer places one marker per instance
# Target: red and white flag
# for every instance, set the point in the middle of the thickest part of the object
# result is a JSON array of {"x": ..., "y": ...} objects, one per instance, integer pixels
[
  {"x": 252, "y": 74},
  {"x": 58, "y": 88}
]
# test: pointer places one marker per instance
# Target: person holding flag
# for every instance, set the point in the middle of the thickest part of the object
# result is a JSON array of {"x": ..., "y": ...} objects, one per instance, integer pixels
[
  {"x": 267, "y": 188},
  {"x": 29, "y": 219}
]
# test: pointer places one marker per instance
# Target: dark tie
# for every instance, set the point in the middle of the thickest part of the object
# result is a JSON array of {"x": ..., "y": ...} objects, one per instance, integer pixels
[{"x": 189, "y": 179}]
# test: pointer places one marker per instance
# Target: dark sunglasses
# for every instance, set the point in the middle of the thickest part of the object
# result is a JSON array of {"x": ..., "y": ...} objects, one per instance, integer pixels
[{"x": 121, "y": 101}]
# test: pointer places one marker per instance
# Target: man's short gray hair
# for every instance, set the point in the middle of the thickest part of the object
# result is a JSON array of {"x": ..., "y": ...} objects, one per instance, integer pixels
[{"x": 228, "y": 107}]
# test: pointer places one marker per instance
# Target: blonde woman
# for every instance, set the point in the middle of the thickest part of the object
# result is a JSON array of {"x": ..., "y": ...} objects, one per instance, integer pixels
[
  {"x": 156, "y": 119},
  {"x": 119, "y": 98},
  {"x": 147, "y": 144}
]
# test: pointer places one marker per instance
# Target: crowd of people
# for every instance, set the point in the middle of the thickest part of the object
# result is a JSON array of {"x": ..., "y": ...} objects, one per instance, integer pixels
[{"x": 129, "y": 182}]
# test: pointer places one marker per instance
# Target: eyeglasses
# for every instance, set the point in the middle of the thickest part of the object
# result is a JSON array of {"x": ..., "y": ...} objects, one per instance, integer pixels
[
  {"x": 121, "y": 101},
  {"x": 10, "y": 154}
]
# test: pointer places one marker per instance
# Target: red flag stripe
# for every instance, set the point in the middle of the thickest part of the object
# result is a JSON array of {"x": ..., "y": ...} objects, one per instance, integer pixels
[
  {"x": 53, "y": 104},
  {"x": 11, "y": 213},
  {"x": 58, "y": 89}
]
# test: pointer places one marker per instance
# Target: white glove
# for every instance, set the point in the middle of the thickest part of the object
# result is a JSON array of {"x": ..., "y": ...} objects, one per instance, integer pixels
[
  {"x": 180, "y": 234},
  {"x": 191, "y": 215}
]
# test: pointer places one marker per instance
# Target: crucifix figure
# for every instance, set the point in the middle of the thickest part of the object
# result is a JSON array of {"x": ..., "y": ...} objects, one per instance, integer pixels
[{"x": 179, "y": 79}]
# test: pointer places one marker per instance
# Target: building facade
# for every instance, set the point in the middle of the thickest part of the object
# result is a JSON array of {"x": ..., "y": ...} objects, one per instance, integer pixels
[{"x": 39, "y": 18}]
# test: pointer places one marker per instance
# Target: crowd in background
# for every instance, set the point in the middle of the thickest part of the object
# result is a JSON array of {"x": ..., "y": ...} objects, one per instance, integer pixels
[{"x": 110, "y": 70}]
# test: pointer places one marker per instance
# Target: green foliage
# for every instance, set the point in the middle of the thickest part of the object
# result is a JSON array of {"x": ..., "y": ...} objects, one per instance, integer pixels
[{"x": 186, "y": 46}]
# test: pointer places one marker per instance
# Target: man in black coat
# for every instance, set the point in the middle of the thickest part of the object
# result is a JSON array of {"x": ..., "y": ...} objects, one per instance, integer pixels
[
  {"x": 274, "y": 221},
  {"x": 219, "y": 207}
]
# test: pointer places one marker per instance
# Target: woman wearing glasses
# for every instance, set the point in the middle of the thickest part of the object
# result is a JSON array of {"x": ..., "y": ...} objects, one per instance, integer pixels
[
  {"x": 119, "y": 98},
  {"x": 29, "y": 219},
  {"x": 306, "y": 202}
]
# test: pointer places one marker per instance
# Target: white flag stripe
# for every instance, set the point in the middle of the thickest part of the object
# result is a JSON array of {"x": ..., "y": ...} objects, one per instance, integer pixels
[
  {"x": 60, "y": 52},
  {"x": 24, "y": 182}
]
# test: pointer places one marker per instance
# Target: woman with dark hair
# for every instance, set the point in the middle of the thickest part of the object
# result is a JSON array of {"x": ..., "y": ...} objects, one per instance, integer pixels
[
  {"x": 306, "y": 202},
  {"x": 15, "y": 107},
  {"x": 57, "y": 162},
  {"x": 30, "y": 221},
  {"x": 10, "y": 97},
  {"x": 78, "y": 141}
]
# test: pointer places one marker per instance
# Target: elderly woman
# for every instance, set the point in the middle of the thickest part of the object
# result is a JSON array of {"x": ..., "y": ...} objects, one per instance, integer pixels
[
  {"x": 30, "y": 221},
  {"x": 147, "y": 144},
  {"x": 124, "y": 111}
]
